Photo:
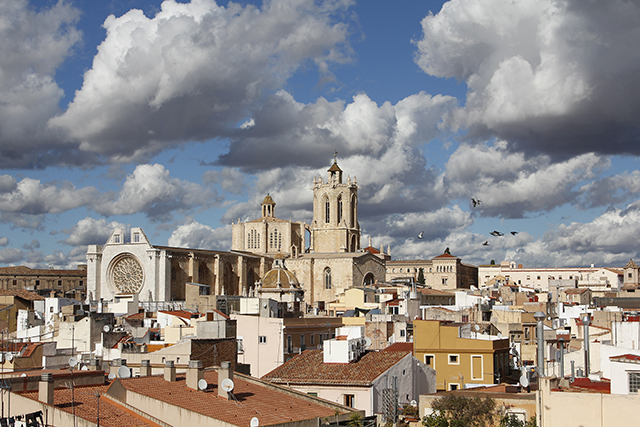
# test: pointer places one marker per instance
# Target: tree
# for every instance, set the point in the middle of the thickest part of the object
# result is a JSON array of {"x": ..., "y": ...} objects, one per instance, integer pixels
[
  {"x": 355, "y": 419},
  {"x": 421, "y": 276},
  {"x": 458, "y": 411}
]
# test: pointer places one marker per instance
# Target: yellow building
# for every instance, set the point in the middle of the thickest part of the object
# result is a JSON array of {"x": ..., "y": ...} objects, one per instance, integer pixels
[{"x": 460, "y": 362}]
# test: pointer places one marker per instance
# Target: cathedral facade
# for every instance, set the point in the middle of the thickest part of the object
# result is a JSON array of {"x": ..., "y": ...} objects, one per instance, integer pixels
[{"x": 324, "y": 257}]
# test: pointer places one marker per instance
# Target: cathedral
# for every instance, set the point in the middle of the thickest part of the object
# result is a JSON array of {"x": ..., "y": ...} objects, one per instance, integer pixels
[{"x": 322, "y": 259}]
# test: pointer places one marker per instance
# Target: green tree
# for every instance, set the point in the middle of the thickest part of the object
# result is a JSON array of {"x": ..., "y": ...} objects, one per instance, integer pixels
[
  {"x": 459, "y": 411},
  {"x": 421, "y": 276},
  {"x": 355, "y": 419}
]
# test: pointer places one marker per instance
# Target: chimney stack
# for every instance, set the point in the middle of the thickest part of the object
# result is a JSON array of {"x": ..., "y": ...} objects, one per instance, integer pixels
[
  {"x": 145, "y": 368},
  {"x": 224, "y": 372},
  {"x": 169, "y": 371},
  {"x": 194, "y": 374},
  {"x": 45, "y": 388}
]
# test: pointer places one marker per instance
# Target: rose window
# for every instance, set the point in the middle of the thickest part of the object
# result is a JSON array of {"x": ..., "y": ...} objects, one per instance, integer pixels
[{"x": 127, "y": 276}]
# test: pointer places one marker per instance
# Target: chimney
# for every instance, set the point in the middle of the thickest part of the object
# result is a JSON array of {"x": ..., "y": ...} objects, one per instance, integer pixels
[
  {"x": 145, "y": 368},
  {"x": 114, "y": 366},
  {"x": 169, "y": 371},
  {"x": 45, "y": 388},
  {"x": 224, "y": 372},
  {"x": 195, "y": 373}
]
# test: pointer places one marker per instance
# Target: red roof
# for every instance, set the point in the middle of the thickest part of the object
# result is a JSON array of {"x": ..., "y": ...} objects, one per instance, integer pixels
[
  {"x": 309, "y": 368},
  {"x": 630, "y": 358},
  {"x": 400, "y": 346}
]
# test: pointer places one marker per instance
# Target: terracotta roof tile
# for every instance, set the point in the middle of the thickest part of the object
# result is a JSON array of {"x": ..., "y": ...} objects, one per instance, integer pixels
[
  {"x": 400, "y": 346},
  {"x": 270, "y": 405},
  {"x": 309, "y": 368},
  {"x": 26, "y": 295}
]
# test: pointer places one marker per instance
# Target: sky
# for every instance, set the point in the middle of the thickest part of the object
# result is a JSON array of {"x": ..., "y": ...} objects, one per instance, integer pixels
[{"x": 180, "y": 117}]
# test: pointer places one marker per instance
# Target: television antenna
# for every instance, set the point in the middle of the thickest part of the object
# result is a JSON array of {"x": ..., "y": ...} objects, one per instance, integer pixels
[
  {"x": 202, "y": 384},
  {"x": 227, "y": 385}
]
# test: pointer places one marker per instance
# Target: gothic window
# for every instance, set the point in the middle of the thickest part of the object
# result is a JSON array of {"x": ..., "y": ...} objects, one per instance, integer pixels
[
  {"x": 275, "y": 240},
  {"x": 253, "y": 240},
  {"x": 352, "y": 212},
  {"x": 327, "y": 211},
  {"x": 327, "y": 278},
  {"x": 339, "y": 209}
]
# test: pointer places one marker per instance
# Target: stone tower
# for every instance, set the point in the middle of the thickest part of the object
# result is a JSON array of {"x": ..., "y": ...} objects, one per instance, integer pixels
[{"x": 335, "y": 226}]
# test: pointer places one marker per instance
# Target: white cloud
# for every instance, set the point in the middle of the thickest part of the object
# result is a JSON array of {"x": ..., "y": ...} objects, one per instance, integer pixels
[
  {"x": 196, "y": 235},
  {"x": 510, "y": 185},
  {"x": 152, "y": 190},
  {"x": 90, "y": 231},
  {"x": 551, "y": 76},
  {"x": 193, "y": 71},
  {"x": 34, "y": 45},
  {"x": 11, "y": 256},
  {"x": 4, "y": 241}
]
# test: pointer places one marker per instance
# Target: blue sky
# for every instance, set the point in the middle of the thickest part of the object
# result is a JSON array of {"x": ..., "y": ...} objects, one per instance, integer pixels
[{"x": 179, "y": 117}]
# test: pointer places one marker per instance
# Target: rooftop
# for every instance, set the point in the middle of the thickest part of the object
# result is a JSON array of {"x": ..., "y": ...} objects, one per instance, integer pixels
[{"x": 309, "y": 368}]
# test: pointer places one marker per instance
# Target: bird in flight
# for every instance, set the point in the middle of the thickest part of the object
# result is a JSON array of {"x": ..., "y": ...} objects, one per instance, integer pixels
[
  {"x": 514, "y": 232},
  {"x": 496, "y": 233},
  {"x": 421, "y": 235},
  {"x": 486, "y": 243},
  {"x": 475, "y": 202}
]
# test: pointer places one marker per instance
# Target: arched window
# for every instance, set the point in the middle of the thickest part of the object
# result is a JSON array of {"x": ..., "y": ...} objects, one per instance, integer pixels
[
  {"x": 339, "y": 209},
  {"x": 352, "y": 212},
  {"x": 275, "y": 240},
  {"x": 253, "y": 239},
  {"x": 327, "y": 211},
  {"x": 327, "y": 278}
]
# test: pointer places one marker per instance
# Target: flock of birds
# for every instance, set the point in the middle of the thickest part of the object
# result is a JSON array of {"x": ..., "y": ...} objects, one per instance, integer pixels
[{"x": 495, "y": 233}]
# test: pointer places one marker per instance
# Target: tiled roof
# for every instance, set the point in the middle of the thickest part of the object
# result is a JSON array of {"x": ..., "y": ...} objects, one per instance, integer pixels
[
  {"x": 26, "y": 295},
  {"x": 407, "y": 347},
  {"x": 309, "y": 368},
  {"x": 438, "y": 292},
  {"x": 85, "y": 406},
  {"x": 181, "y": 313},
  {"x": 445, "y": 256},
  {"x": 269, "y": 405},
  {"x": 576, "y": 291},
  {"x": 628, "y": 358}
]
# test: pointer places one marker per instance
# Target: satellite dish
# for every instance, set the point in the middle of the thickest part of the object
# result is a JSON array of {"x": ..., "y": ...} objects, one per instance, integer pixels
[
  {"x": 73, "y": 362},
  {"x": 476, "y": 327},
  {"x": 111, "y": 376},
  {"x": 414, "y": 403},
  {"x": 255, "y": 422},
  {"x": 202, "y": 384},
  {"x": 106, "y": 328},
  {"x": 124, "y": 372},
  {"x": 367, "y": 342},
  {"x": 84, "y": 368},
  {"x": 499, "y": 336},
  {"x": 227, "y": 384},
  {"x": 23, "y": 375},
  {"x": 524, "y": 382},
  {"x": 9, "y": 357}
]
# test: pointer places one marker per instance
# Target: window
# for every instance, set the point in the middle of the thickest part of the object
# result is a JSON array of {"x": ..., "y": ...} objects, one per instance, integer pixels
[
  {"x": 116, "y": 238},
  {"x": 302, "y": 343},
  {"x": 634, "y": 381},
  {"x": 136, "y": 237},
  {"x": 349, "y": 400},
  {"x": 312, "y": 339},
  {"x": 477, "y": 367},
  {"x": 313, "y": 393},
  {"x": 262, "y": 339},
  {"x": 327, "y": 278},
  {"x": 629, "y": 275},
  {"x": 454, "y": 359},
  {"x": 15, "y": 282},
  {"x": 453, "y": 386},
  {"x": 275, "y": 240},
  {"x": 240, "y": 345},
  {"x": 289, "y": 344},
  {"x": 59, "y": 282},
  {"x": 327, "y": 211},
  {"x": 444, "y": 280},
  {"x": 339, "y": 209},
  {"x": 402, "y": 332},
  {"x": 430, "y": 360}
]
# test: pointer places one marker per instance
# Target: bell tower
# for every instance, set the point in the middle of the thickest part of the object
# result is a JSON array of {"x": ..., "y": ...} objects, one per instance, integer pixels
[{"x": 335, "y": 226}]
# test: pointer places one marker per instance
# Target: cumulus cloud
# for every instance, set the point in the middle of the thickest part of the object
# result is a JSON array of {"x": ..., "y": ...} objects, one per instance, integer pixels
[
  {"x": 557, "y": 77},
  {"x": 25, "y": 203},
  {"x": 152, "y": 190},
  {"x": 610, "y": 190},
  {"x": 4, "y": 241},
  {"x": 90, "y": 231},
  {"x": 194, "y": 70},
  {"x": 200, "y": 236},
  {"x": 34, "y": 45},
  {"x": 512, "y": 186},
  {"x": 11, "y": 256},
  {"x": 230, "y": 180}
]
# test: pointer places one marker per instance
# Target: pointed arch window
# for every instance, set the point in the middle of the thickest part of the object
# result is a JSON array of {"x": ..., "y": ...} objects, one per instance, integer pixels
[
  {"x": 327, "y": 278},
  {"x": 327, "y": 210},
  {"x": 275, "y": 240},
  {"x": 339, "y": 209}
]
